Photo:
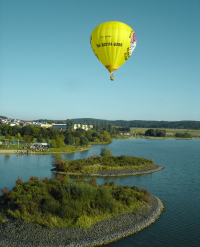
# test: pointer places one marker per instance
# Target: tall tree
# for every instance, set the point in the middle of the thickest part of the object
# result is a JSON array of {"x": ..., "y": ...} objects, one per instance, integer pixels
[
  {"x": 84, "y": 141},
  {"x": 69, "y": 139},
  {"x": 95, "y": 126},
  {"x": 39, "y": 138},
  {"x": 69, "y": 124},
  {"x": 26, "y": 130},
  {"x": 36, "y": 132},
  {"x": 59, "y": 142}
]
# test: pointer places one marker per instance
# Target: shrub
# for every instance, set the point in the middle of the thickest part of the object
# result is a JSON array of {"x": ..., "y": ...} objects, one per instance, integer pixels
[
  {"x": 33, "y": 208},
  {"x": 64, "y": 211},
  {"x": 19, "y": 181},
  {"x": 136, "y": 188},
  {"x": 5, "y": 191},
  {"x": 104, "y": 193},
  {"x": 33, "y": 178},
  {"x": 3, "y": 218},
  {"x": 84, "y": 221},
  {"x": 66, "y": 179},
  {"x": 53, "y": 144},
  {"x": 112, "y": 184},
  {"x": 70, "y": 210},
  {"x": 96, "y": 139},
  {"x": 59, "y": 142},
  {"x": 23, "y": 199},
  {"x": 21, "y": 207},
  {"x": 59, "y": 177},
  {"x": 93, "y": 182},
  {"x": 50, "y": 205},
  {"x": 106, "y": 153}
]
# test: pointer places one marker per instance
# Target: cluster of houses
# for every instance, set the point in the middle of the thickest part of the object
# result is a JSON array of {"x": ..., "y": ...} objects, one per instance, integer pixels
[
  {"x": 13, "y": 122},
  {"x": 75, "y": 126}
]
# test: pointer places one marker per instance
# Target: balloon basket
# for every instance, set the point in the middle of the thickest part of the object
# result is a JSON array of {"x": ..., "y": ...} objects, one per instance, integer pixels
[{"x": 112, "y": 77}]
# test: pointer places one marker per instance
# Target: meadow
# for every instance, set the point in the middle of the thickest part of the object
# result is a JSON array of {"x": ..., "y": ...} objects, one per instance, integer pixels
[{"x": 169, "y": 132}]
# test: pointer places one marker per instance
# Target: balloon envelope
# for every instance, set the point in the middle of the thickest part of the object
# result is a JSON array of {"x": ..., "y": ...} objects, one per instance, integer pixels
[{"x": 113, "y": 43}]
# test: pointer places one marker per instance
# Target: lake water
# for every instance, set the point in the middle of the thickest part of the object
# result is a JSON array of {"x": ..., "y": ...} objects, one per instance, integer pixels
[{"x": 178, "y": 186}]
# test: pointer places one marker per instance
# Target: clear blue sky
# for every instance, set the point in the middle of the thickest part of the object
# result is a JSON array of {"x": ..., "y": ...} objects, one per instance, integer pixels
[{"x": 48, "y": 69}]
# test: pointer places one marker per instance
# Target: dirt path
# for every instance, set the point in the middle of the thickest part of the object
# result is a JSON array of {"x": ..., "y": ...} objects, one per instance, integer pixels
[{"x": 8, "y": 151}]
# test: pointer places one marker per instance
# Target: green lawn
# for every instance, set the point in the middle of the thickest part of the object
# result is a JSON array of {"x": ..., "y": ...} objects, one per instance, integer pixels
[{"x": 169, "y": 132}]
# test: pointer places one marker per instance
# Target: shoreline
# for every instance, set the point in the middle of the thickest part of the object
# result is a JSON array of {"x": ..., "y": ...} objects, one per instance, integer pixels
[
  {"x": 4, "y": 151},
  {"x": 17, "y": 233},
  {"x": 115, "y": 173}
]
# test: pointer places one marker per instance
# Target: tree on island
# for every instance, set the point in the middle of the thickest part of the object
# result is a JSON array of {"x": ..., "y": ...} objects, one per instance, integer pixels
[{"x": 106, "y": 153}]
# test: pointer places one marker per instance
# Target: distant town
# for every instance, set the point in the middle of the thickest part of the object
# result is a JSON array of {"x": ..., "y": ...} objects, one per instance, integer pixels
[
  {"x": 78, "y": 133},
  {"x": 57, "y": 126}
]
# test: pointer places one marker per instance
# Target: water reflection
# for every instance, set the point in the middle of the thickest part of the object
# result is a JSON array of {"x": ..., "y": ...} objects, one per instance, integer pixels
[{"x": 6, "y": 158}]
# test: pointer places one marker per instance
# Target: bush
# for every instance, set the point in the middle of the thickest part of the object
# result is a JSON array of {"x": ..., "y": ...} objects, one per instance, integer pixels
[
  {"x": 50, "y": 205},
  {"x": 136, "y": 188},
  {"x": 53, "y": 144},
  {"x": 59, "y": 142},
  {"x": 19, "y": 181},
  {"x": 64, "y": 211},
  {"x": 185, "y": 135},
  {"x": 96, "y": 139},
  {"x": 106, "y": 153},
  {"x": 84, "y": 221},
  {"x": 3, "y": 218},
  {"x": 5, "y": 191}
]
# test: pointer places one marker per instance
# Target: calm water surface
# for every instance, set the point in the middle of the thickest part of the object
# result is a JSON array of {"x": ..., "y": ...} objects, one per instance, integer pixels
[{"x": 178, "y": 185}]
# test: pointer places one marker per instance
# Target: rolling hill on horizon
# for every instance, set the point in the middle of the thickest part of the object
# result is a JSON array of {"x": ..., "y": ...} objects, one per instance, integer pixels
[{"x": 184, "y": 124}]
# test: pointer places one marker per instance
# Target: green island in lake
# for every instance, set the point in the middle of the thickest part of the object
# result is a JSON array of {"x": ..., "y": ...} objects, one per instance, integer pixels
[
  {"x": 60, "y": 212},
  {"x": 82, "y": 213},
  {"x": 106, "y": 165}
]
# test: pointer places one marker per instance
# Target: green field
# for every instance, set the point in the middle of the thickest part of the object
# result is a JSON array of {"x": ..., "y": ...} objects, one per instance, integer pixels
[{"x": 169, "y": 132}]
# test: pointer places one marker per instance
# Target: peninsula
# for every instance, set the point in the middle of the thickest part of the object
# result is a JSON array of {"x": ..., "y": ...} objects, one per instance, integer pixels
[
  {"x": 106, "y": 165},
  {"x": 57, "y": 212}
]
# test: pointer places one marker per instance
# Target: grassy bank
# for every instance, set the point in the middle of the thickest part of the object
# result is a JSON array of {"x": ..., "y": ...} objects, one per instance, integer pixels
[{"x": 65, "y": 149}]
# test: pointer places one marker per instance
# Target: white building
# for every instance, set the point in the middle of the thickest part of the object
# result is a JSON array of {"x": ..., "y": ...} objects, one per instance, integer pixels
[
  {"x": 76, "y": 126},
  {"x": 42, "y": 125},
  {"x": 84, "y": 126}
]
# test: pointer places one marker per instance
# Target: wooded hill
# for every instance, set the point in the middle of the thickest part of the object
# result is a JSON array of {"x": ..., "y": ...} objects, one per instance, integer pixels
[
  {"x": 185, "y": 124},
  {"x": 141, "y": 123}
]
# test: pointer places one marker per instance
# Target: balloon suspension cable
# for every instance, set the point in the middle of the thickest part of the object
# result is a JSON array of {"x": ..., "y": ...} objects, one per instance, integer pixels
[{"x": 111, "y": 76}]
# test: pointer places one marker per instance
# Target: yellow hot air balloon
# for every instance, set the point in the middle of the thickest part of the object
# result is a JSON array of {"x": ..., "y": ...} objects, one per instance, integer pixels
[{"x": 113, "y": 43}]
